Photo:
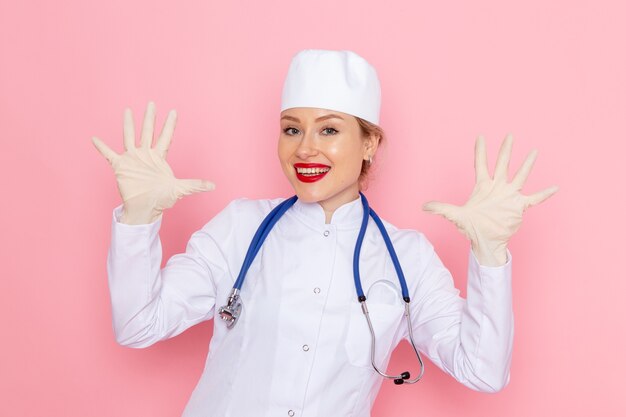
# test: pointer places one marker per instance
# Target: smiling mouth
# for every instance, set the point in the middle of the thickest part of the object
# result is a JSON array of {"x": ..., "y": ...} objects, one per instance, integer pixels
[{"x": 311, "y": 172}]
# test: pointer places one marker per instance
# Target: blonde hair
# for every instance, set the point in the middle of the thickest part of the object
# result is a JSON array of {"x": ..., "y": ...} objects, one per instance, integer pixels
[{"x": 367, "y": 129}]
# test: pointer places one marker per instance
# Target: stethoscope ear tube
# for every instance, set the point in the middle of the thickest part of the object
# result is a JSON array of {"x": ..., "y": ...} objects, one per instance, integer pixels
[
  {"x": 403, "y": 378},
  {"x": 407, "y": 314}
]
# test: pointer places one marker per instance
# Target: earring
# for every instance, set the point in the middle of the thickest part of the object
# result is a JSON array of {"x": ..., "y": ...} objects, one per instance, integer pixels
[{"x": 369, "y": 160}]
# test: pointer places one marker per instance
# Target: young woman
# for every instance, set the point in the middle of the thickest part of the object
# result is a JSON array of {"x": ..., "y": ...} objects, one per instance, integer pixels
[{"x": 311, "y": 295}]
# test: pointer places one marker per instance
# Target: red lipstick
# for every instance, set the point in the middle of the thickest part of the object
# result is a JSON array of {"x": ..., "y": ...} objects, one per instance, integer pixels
[{"x": 317, "y": 171}]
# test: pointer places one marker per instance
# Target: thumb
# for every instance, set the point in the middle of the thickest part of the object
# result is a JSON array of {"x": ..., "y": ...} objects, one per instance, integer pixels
[
  {"x": 190, "y": 186},
  {"x": 446, "y": 210}
]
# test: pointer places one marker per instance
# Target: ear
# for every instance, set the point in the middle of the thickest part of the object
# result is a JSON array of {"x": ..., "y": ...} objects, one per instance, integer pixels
[{"x": 370, "y": 145}]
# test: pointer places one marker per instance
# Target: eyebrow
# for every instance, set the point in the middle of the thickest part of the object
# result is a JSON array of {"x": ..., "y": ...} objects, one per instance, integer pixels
[{"x": 328, "y": 116}]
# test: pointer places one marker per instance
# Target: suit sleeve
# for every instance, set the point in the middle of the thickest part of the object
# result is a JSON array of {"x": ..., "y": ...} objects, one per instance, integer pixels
[
  {"x": 471, "y": 339},
  {"x": 151, "y": 304}
]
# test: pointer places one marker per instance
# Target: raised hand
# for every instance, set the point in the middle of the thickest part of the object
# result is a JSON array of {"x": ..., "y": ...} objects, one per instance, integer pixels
[
  {"x": 494, "y": 210},
  {"x": 144, "y": 179}
]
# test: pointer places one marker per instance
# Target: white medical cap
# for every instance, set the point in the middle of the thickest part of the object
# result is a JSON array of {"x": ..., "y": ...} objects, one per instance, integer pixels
[{"x": 333, "y": 80}]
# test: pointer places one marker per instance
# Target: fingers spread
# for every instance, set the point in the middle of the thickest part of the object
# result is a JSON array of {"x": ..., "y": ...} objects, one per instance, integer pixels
[
  {"x": 165, "y": 138},
  {"x": 504, "y": 156},
  {"x": 524, "y": 170},
  {"x": 147, "y": 130},
  {"x": 107, "y": 152},
  {"x": 540, "y": 196},
  {"x": 129, "y": 130},
  {"x": 480, "y": 159},
  {"x": 188, "y": 186}
]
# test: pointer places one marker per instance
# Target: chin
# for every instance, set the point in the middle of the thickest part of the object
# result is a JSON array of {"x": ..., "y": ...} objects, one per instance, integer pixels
[{"x": 307, "y": 196}]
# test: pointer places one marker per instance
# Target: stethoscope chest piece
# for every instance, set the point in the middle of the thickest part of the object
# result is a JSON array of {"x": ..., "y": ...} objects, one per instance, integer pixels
[{"x": 231, "y": 311}]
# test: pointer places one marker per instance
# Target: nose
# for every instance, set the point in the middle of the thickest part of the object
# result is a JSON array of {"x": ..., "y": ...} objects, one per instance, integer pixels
[{"x": 306, "y": 147}]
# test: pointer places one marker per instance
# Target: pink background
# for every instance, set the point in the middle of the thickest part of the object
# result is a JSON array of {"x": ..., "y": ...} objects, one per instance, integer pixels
[{"x": 553, "y": 73}]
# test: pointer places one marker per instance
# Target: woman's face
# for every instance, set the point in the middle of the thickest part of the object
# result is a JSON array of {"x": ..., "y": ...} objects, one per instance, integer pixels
[{"x": 321, "y": 152}]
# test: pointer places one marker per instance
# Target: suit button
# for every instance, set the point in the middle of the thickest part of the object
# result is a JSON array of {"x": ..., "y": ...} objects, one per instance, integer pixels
[
  {"x": 326, "y": 233},
  {"x": 316, "y": 290},
  {"x": 305, "y": 348},
  {"x": 291, "y": 413}
]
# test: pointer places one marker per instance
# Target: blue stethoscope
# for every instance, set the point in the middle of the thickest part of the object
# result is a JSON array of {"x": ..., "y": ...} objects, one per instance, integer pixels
[{"x": 231, "y": 312}]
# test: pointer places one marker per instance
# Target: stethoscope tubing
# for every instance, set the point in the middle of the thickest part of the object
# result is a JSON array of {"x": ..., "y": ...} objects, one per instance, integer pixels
[
  {"x": 367, "y": 213},
  {"x": 259, "y": 237},
  {"x": 234, "y": 305},
  {"x": 392, "y": 254}
]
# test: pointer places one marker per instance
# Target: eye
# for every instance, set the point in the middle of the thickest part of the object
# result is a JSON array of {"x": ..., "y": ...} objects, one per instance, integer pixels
[
  {"x": 328, "y": 131},
  {"x": 289, "y": 131}
]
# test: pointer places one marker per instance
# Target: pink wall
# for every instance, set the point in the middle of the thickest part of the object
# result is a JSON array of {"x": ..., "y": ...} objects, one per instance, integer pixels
[{"x": 553, "y": 73}]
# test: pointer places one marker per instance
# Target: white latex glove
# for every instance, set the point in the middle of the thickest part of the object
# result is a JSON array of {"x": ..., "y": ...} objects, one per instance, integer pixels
[
  {"x": 494, "y": 210},
  {"x": 145, "y": 181}
]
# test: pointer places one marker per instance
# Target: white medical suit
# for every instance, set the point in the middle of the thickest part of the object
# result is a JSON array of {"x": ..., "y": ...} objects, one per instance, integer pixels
[{"x": 302, "y": 346}]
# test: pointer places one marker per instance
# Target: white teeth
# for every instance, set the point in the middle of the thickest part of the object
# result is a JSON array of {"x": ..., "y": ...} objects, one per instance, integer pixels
[{"x": 312, "y": 171}]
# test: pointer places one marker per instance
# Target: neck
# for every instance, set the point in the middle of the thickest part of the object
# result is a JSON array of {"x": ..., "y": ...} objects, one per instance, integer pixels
[
  {"x": 330, "y": 207},
  {"x": 329, "y": 215}
]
